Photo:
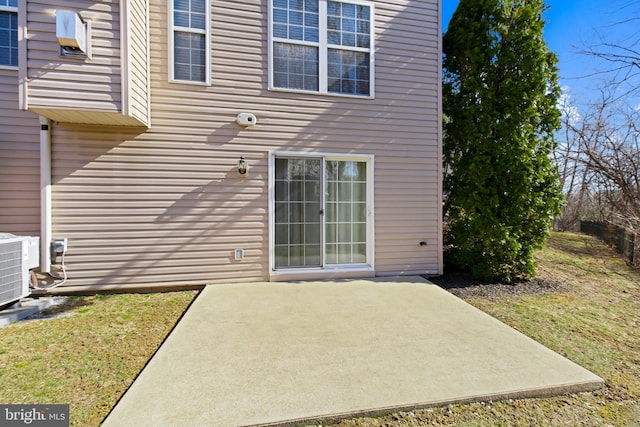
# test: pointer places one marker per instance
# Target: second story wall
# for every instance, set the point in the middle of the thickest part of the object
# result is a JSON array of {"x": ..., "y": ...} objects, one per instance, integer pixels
[
  {"x": 74, "y": 83},
  {"x": 110, "y": 86}
]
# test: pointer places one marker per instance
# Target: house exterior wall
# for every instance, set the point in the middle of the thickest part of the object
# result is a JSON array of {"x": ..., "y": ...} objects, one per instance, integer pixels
[
  {"x": 101, "y": 89},
  {"x": 19, "y": 162},
  {"x": 165, "y": 206}
]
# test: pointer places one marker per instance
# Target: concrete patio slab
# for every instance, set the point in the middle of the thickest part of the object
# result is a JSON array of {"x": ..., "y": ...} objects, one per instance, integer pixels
[{"x": 295, "y": 353}]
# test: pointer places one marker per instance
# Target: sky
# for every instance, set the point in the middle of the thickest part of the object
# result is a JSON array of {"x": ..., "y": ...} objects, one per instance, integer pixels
[{"x": 571, "y": 25}]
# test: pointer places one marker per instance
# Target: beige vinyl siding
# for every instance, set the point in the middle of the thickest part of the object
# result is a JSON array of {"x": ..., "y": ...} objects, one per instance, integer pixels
[
  {"x": 74, "y": 84},
  {"x": 87, "y": 90},
  {"x": 166, "y": 206},
  {"x": 136, "y": 57},
  {"x": 19, "y": 162},
  {"x": 151, "y": 211}
]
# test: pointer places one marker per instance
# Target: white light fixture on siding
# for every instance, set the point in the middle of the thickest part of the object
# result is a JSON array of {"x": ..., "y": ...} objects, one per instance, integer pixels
[
  {"x": 246, "y": 119},
  {"x": 72, "y": 34},
  {"x": 242, "y": 166}
]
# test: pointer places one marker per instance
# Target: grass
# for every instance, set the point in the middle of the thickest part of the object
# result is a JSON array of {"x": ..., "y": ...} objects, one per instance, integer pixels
[
  {"x": 594, "y": 322},
  {"x": 89, "y": 357}
]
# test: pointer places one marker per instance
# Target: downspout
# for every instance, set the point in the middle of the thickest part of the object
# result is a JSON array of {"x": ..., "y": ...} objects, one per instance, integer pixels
[{"x": 45, "y": 195}]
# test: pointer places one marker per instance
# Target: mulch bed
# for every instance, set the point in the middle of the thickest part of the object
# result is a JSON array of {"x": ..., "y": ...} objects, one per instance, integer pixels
[{"x": 464, "y": 286}]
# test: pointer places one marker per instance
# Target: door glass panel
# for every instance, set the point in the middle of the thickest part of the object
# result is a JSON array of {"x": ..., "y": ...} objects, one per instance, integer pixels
[
  {"x": 331, "y": 171},
  {"x": 312, "y": 233},
  {"x": 312, "y": 212},
  {"x": 282, "y": 234},
  {"x": 297, "y": 195},
  {"x": 331, "y": 253},
  {"x": 344, "y": 253},
  {"x": 296, "y": 233},
  {"x": 281, "y": 254},
  {"x": 359, "y": 191},
  {"x": 360, "y": 232},
  {"x": 282, "y": 191},
  {"x": 359, "y": 254},
  {"x": 296, "y": 255},
  {"x": 344, "y": 232},
  {"x": 312, "y": 189},
  {"x": 344, "y": 212},
  {"x": 312, "y": 254},
  {"x": 296, "y": 212},
  {"x": 359, "y": 212},
  {"x": 282, "y": 212},
  {"x": 346, "y": 220}
]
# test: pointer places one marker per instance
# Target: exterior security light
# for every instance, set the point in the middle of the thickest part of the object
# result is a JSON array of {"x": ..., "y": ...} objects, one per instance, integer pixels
[
  {"x": 242, "y": 166},
  {"x": 246, "y": 119}
]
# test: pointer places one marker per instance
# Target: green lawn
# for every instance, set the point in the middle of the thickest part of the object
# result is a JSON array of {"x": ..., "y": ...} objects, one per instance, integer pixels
[{"x": 89, "y": 357}]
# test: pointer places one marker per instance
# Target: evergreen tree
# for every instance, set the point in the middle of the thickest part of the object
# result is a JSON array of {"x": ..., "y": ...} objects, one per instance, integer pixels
[{"x": 500, "y": 112}]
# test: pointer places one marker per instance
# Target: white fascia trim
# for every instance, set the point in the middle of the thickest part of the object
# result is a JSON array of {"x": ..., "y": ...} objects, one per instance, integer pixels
[
  {"x": 148, "y": 47},
  {"x": 22, "y": 55},
  {"x": 23, "y": 99},
  {"x": 125, "y": 57}
]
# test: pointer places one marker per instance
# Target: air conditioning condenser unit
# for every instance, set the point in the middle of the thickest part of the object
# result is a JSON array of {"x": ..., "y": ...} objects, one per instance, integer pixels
[{"x": 18, "y": 254}]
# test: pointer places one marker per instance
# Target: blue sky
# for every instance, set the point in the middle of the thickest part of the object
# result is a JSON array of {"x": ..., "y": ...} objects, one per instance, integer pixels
[{"x": 571, "y": 26}]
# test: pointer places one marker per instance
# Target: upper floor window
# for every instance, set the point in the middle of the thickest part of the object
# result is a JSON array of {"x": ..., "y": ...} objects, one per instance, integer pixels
[
  {"x": 9, "y": 33},
  {"x": 189, "y": 41},
  {"x": 322, "y": 46}
]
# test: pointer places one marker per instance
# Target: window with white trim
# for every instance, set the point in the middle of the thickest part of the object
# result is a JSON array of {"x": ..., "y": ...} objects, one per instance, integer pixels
[
  {"x": 323, "y": 46},
  {"x": 189, "y": 41},
  {"x": 9, "y": 33}
]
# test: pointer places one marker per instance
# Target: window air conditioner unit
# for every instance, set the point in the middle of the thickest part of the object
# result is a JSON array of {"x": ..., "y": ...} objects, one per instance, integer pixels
[
  {"x": 72, "y": 33},
  {"x": 18, "y": 254}
]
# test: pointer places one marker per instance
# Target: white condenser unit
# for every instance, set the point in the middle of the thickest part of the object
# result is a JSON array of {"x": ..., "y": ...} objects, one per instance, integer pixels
[{"x": 18, "y": 254}]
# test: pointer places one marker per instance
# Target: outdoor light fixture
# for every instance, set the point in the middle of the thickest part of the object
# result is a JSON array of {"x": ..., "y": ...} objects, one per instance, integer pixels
[
  {"x": 246, "y": 119},
  {"x": 242, "y": 166}
]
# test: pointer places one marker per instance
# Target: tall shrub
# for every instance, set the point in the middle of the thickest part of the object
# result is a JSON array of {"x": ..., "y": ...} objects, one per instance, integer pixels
[{"x": 500, "y": 112}]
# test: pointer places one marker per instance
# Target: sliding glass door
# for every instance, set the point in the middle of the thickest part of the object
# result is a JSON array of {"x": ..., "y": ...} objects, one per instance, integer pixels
[{"x": 321, "y": 212}]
